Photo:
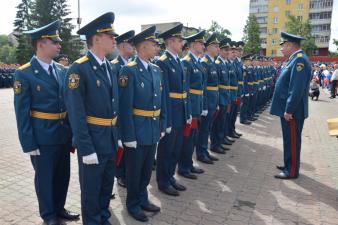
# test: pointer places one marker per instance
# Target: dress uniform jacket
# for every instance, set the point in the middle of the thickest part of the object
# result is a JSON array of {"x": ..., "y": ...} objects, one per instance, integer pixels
[
  {"x": 141, "y": 93},
  {"x": 239, "y": 72},
  {"x": 38, "y": 100},
  {"x": 211, "y": 94},
  {"x": 292, "y": 87},
  {"x": 233, "y": 81},
  {"x": 176, "y": 84},
  {"x": 224, "y": 82},
  {"x": 197, "y": 79},
  {"x": 118, "y": 64},
  {"x": 91, "y": 100}
]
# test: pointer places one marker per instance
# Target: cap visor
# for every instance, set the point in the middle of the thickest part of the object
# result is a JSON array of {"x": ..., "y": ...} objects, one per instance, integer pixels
[{"x": 56, "y": 39}]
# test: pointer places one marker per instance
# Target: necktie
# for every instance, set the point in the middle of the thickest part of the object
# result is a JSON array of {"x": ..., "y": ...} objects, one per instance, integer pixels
[
  {"x": 104, "y": 67},
  {"x": 51, "y": 73},
  {"x": 149, "y": 68}
]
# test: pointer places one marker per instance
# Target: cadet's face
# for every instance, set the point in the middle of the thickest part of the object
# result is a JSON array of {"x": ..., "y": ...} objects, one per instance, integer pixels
[
  {"x": 232, "y": 54},
  {"x": 107, "y": 43},
  {"x": 50, "y": 48},
  {"x": 286, "y": 49},
  {"x": 198, "y": 47},
  {"x": 177, "y": 44},
  {"x": 128, "y": 48},
  {"x": 151, "y": 49},
  {"x": 223, "y": 53},
  {"x": 213, "y": 49}
]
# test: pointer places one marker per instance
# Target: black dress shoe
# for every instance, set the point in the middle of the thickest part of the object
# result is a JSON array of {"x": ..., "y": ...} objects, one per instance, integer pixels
[
  {"x": 238, "y": 134},
  {"x": 170, "y": 191},
  {"x": 151, "y": 208},
  {"x": 68, "y": 215},
  {"x": 229, "y": 139},
  {"x": 121, "y": 182},
  {"x": 218, "y": 150},
  {"x": 178, "y": 186},
  {"x": 224, "y": 147},
  {"x": 205, "y": 160},
  {"x": 140, "y": 216},
  {"x": 196, "y": 170},
  {"x": 227, "y": 142},
  {"x": 188, "y": 175},
  {"x": 245, "y": 122},
  {"x": 234, "y": 135},
  {"x": 212, "y": 158},
  {"x": 283, "y": 176},
  {"x": 280, "y": 167},
  {"x": 53, "y": 221}
]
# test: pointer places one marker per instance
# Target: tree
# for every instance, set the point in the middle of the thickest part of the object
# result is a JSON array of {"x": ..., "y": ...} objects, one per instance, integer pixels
[
  {"x": 22, "y": 22},
  {"x": 297, "y": 27},
  {"x": 7, "y": 52},
  {"x": 335, "y": 42},
  {"x": 46, "y": 11},
  {"x": 218, "y": 29},
  {"x": 251, "y": 36}
]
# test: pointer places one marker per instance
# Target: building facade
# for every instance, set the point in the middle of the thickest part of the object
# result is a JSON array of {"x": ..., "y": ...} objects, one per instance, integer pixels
[{"x": 272, "y": 17}]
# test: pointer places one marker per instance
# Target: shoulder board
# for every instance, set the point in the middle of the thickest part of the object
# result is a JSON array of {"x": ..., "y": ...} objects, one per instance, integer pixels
[
  {"x": 132, "y": 63},
  {"x": 163, "y": 57},
  {"x": 204, "y": 59},
  {"x": 299, "y": 55},
  {"x": 115, "y": 61},
  {"x": 217, "y": 61},
  {"x": 153, "y": 64},
  {"x": 82, "y": 60},
  {"x": 187, "y": 58},
  {"x": 60, "y": 65},
  {"x": 24, "y": 66}
]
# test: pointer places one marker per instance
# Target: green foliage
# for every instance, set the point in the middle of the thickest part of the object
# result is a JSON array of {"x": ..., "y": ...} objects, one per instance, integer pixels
[
  {"x": 295, "y": 26},
  {"x": 218, "y": 29},
  {"x": 251, "y": 36}
]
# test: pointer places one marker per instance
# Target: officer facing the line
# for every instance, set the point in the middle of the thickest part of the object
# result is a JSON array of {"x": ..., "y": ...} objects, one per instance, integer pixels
[
  {"x": 92, "y": 102},
  {"x": 290, "y": 102},
  {"x": 44, "y": 131}
]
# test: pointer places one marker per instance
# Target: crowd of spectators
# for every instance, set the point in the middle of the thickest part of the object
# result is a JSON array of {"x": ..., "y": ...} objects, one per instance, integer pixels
[{"x": 7, "y": 74}]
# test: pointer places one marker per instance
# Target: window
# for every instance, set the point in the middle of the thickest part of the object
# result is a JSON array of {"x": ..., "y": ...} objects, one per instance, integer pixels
[
  {"x": 320, "y": 16},
  {"x": 300, "y": 18},
  {"x": 300, "y": 6},
  {"x": 287, "y": 13},
  {"x": 261, "y": 19},
  {"x": 273, "y": 52},
  {"x": 275, "y": 20},
  {"x": 320, "y": 4},
  {"x": 263, "y": 40},
  {"x": 263, "y": 30},
  {"x": 320, "y": 28},
  {"x": 274, "y": 42},
  {"x": 275, "y": 9},
  {"x": 274, "y": 30},
  {"x": 288, "y": 2}
]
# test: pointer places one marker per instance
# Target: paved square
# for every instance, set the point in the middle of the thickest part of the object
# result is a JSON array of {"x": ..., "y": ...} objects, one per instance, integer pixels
[{"x": 238, "y": 189}]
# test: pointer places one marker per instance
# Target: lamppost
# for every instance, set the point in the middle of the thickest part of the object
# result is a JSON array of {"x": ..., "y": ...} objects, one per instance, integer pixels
[{"x": 79, "y": 19}]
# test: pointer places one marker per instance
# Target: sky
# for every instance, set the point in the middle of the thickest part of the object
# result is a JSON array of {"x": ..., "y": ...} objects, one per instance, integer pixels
[{"x": 130, "y": 14}]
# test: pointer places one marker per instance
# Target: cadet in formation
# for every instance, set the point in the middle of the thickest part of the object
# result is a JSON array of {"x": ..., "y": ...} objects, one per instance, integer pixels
[
  {"x": 126, "y": 50},
  {"x": 92, "y": 102},
  {"x": 290, "y": 102},
  {"x": 43, "y": 128}
]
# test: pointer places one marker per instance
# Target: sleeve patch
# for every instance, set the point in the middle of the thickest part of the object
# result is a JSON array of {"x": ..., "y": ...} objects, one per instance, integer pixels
[
  {"x": 73, "y": 81},
  {"x": 123, "y": 81},
  {"x": 299, "y": 66},
  {"x": 17, "y": 86}
]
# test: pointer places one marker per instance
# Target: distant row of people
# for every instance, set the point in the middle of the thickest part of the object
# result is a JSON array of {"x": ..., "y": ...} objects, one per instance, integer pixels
[{"x": 7, "y": 75}]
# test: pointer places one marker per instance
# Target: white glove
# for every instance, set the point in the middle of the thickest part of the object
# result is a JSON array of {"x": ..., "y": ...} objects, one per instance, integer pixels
[
  {"x": 90, "y": 159},
  {"x": 189, "y": 120},
  {"x": 34, "y": 152},
  {"x": 162, "y": 134},
  {"x": 119, "y": 143},
  {"x": 168, "y": 130},
  {"x": 132, "y": 144},
  {"x": 204, "y": 113}
]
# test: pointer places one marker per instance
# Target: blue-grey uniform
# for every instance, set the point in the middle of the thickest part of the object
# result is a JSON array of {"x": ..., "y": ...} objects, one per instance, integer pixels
[
  {"x": 42, "y": 125},
  {"x": 92, "y": 103},
  {"x": 118, "y": 63},
  {"x": 211, "y": 99},
  {"x": 142, "y": 117},
  {"x": 245, "y": 101},
  {"x": 291, "y": 97},
  {"x": 176, "y": 85},
  {"x": 197, "y": 79},
  {"x": 221, "y": 122}
]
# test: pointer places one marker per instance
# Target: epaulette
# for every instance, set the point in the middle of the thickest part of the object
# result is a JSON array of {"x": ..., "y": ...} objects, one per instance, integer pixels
[
  {"x": 60, "y": 65},
  {"x": 163, "y": 57},
  {"x": 153, "y": 64},
  {"x": 204, "y": 59},
  {"x": 82, "y": 60},
  {"x": 217, "y": 61},
  {"x": 115, "y": 61},
  {"x": 187, "y": 58},
  {"x": 299, "y": 55},
  {"x": 24, "y": 66},
  {"x": 132, "y": 63}
]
